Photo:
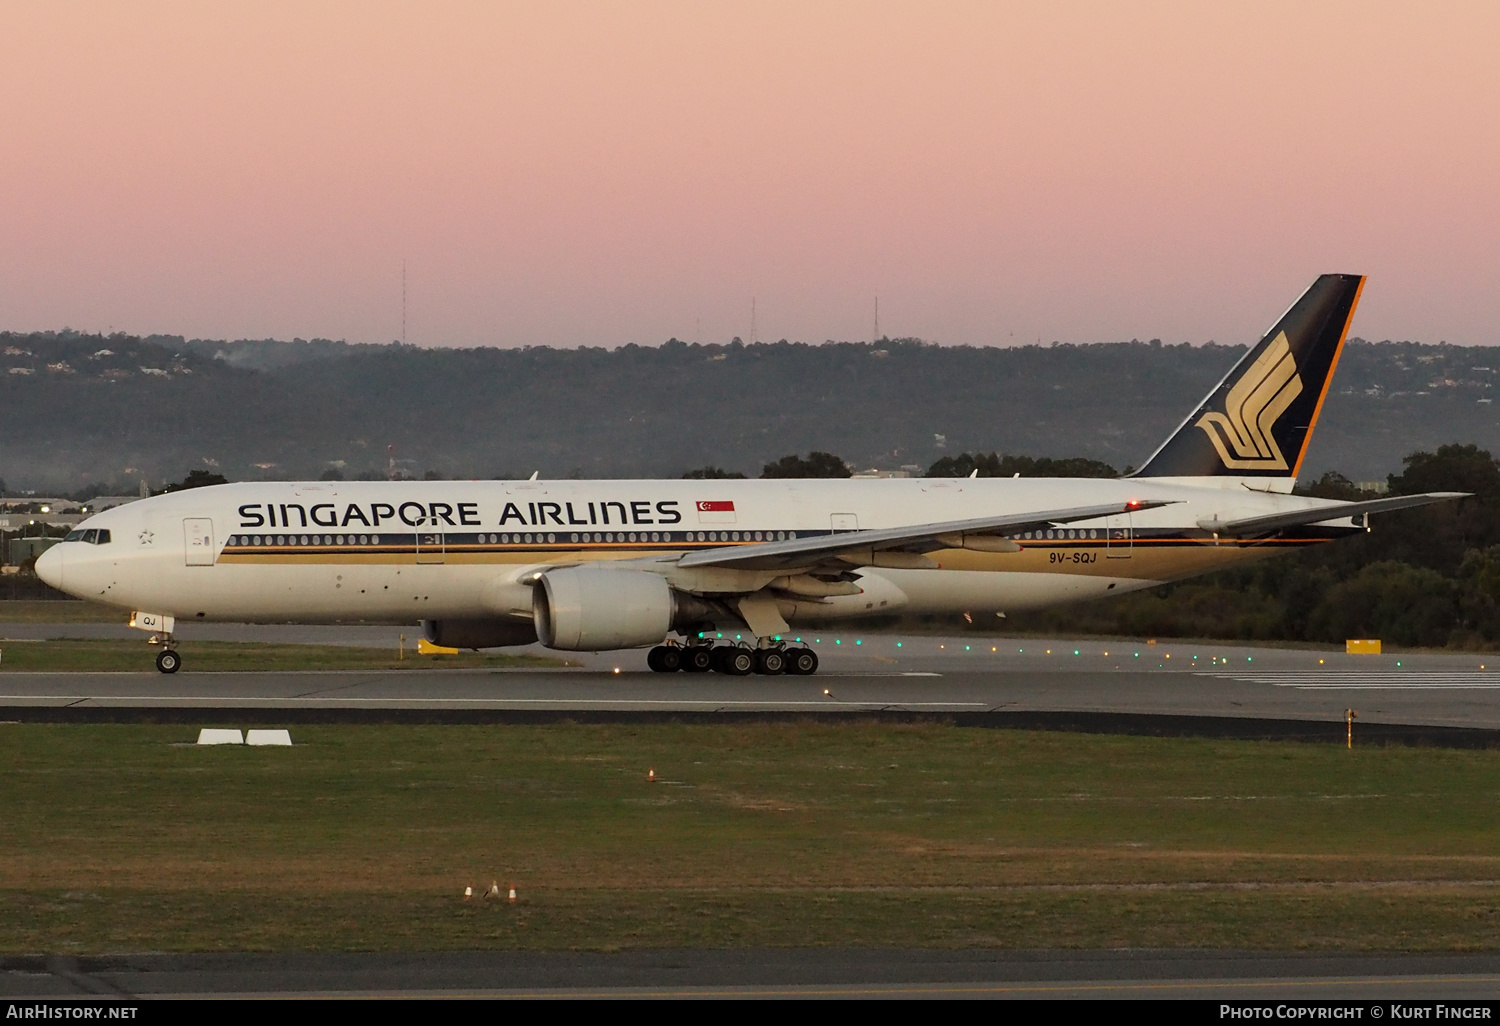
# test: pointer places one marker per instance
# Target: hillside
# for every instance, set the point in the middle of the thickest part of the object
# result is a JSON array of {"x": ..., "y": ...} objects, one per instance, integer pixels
[{"x": 78, "y": 409}]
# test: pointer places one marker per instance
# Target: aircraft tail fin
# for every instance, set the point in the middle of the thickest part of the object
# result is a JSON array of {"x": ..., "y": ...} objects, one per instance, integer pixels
[{"x": 1257, "y": 421}]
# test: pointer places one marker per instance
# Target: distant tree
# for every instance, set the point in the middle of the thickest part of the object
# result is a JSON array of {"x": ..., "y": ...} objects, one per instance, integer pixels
[
  {"x": 817, "y": 464},
  {"x": 194, "y": 479},
  {"x": 369, "y": 475},
  {"x": 331, "y": 474},
  {"x": 433, "y": 475},
  {"x": 995, "y": 465},
  {"x": 1333, "y": 485},
  {"x": 712, "y": 473},
  {"x": 2, "y": 486}
]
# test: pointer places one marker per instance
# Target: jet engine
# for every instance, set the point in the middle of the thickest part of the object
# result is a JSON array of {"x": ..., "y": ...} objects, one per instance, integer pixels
[
  {"x": 496, "y": 633},
  {"x": 589, "y": 609}
]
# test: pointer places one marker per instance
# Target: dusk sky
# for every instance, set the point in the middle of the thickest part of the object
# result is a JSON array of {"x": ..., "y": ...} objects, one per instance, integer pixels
[{"x": 603, "y": 173}]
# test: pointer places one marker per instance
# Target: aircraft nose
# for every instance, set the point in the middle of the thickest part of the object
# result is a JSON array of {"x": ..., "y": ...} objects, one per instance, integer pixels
[{"x": 49, "y": 566}]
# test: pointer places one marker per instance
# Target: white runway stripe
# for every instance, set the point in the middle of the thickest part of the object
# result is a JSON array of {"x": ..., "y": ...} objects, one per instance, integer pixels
[{"x": 1348, "y": 679}]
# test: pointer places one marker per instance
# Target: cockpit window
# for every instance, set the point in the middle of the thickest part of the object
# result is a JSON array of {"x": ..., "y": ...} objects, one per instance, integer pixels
[{"x": 93, "y": 536}]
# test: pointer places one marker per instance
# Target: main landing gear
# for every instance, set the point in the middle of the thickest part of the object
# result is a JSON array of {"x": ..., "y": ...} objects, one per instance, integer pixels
[{"x": 734, "y": 660}]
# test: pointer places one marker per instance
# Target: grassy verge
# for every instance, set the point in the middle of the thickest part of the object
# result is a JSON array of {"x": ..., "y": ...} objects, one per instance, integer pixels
[
  {"x": 39, "y": 611},
  {"x": 65, "y": 654},
  {"x": 124, "y": 838}
]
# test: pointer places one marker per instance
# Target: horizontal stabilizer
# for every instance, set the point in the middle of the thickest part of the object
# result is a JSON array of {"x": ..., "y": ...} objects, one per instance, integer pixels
[
  {"x": 1250, "y": 526},
  {"x": 865, "y": 546}
]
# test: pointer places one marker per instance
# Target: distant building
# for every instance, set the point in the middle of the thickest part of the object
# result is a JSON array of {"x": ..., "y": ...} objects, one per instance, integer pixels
[
  {"x": 873, "y": 474},
  {"x": 100, "y": 503},
  {"x": 1378, "y": 487}
]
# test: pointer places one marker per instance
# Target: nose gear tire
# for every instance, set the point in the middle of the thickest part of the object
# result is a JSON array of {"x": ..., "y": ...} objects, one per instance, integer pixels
[{"x": 168, "y": 661}]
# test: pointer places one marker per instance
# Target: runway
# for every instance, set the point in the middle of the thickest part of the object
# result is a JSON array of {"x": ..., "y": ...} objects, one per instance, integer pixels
[
  {"x": 832, "y": 973},
  {"x": 860, "y": 675}
]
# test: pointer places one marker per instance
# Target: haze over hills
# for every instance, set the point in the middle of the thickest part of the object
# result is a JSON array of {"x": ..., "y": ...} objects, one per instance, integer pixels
[{"x": 77, "y": 409}]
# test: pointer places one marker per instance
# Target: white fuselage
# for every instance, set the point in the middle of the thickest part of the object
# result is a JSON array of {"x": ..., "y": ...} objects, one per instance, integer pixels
[{"x": 408, "y": 551}]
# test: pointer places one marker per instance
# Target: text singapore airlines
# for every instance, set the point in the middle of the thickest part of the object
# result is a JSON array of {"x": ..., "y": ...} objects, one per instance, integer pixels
[{"x": 596, "y": 565}]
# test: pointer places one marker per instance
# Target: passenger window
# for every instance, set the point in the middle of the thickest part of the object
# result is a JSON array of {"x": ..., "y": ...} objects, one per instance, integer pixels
[
  {"x": 74, "y": 536},
  {"x": 103, "y": 537},
  {"x": 91, "y": 536}
]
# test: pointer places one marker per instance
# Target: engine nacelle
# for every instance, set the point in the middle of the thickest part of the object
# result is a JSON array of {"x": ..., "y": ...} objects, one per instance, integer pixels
[
  {"x": 589, "y": 609},
  {"x": 496, "y": 633}
]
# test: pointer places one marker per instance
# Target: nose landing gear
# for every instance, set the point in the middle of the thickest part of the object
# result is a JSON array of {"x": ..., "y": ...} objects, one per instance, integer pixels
[{"x": 167, "y": 660}]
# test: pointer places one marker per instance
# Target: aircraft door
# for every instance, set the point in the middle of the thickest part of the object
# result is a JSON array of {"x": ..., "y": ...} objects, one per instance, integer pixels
[
  {"x": 841, "y": 522},
  {"x": 1119, "y": 536},
  {"x": 199, "y": 535},
  {"x": 431, "y": 545}
]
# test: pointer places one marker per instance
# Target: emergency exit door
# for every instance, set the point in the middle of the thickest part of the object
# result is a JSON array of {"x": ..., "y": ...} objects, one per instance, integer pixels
[
  {"x": 1119, "y": 537},
  {"x": 430, "y": 546}
]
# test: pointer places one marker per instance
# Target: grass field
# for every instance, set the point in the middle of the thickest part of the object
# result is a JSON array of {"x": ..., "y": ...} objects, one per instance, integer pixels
[
  {"x": 39, "y": 611},
  {"x": 124, "y": 838},
  {"x": 63, "y": 654}
]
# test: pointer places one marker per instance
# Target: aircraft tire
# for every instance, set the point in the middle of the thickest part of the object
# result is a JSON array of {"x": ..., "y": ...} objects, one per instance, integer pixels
[
  {"x": 736, "y": 661},
  {"x": 670, "y": 660},
  {"x": 653, "y": 659},
  {"x": 168, "y": 661},
  {"x": 697, "y": 659},
  {"x": 803, "y": 662},
  {"x": 770, "y": 661}
]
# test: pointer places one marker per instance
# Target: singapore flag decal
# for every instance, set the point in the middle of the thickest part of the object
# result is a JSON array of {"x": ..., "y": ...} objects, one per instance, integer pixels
[{"x": 715, "y": 512}]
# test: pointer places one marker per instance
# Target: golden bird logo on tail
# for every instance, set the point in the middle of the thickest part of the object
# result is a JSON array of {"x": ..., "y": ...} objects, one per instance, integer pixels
[{"x": 1242, "y": 433}]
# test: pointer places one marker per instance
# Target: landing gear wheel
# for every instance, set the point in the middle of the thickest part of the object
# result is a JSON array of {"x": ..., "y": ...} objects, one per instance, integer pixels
[
  {"x": 665, "y": 659},
  {"x": 697, "y": 659},
  {"x": 737, "y": 662},
  {"x": 770, "y": 661},
  {"x": 168, "y": 661},
  {"x": 801, "y": 661}
]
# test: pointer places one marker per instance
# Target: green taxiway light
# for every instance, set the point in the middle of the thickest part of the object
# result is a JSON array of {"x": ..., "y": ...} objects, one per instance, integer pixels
[
  {"x": 858, "y": 642},
  {"x": 898, "y": 644}
]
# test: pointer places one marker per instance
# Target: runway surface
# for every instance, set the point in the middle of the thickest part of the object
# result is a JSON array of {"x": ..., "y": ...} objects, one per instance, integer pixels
[
  {"x": 861, "y": 674},
  {"x": 1202, "y": 975}
]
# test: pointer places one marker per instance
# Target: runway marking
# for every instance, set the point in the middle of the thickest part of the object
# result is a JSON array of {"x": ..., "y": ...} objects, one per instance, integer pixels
[
  {"x": 220, "y": 700},
  {"x": 1357, "y": 679}
]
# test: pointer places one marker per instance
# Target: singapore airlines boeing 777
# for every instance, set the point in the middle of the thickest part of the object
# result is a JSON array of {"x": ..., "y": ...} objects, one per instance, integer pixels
[{"x": 595, "y": 565}]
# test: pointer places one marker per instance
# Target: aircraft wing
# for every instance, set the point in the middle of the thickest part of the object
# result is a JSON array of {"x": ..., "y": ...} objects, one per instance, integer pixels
[
  {"x": 1318, "y": 514},
  {"x": 864, "y": 548}
]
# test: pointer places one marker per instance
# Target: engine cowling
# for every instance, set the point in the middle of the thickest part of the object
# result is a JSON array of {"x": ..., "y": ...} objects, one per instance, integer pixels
[
  {"x": 496, "y": 633},
  {"x": 589, "y": 609}
]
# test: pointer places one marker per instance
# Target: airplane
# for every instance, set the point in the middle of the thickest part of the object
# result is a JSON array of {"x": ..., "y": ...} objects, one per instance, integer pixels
[{"x": 673, "y": 565}]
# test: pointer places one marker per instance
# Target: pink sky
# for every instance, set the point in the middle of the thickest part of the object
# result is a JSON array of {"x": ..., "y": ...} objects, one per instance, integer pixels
[{"x": 604, "y": 173}]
